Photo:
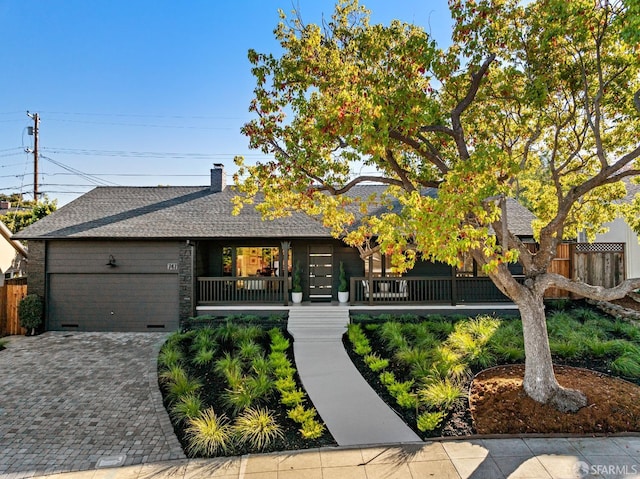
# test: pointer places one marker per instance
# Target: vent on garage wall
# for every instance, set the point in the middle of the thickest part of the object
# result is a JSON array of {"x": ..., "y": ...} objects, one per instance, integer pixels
[
  {"x": 155, "y": 326},
  {"x": 67, "y": 325}
]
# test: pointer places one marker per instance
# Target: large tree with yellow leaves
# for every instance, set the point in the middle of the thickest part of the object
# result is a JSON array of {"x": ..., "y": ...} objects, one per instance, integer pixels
[{"x": 536, "y": 101}]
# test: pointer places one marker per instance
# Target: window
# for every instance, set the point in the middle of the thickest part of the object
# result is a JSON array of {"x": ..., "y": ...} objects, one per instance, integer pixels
[
  {"x": 252, "y": 261},
  {"x": 380, "y": 265},
  {"x": 469, "y": 268}
]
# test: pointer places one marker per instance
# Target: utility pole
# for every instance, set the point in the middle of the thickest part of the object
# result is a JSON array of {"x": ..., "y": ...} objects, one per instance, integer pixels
[{"x": 34, "y": 131}]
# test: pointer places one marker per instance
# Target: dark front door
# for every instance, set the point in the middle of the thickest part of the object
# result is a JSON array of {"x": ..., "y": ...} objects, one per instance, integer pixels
[{"x": 320, "y": 272}]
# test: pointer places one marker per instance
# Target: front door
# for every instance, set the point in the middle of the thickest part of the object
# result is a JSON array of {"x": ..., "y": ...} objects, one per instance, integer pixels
[{"x": 320, "y": 272}]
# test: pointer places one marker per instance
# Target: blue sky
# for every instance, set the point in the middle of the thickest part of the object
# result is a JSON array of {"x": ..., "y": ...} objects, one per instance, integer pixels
[{"x": 142, "y": 92}]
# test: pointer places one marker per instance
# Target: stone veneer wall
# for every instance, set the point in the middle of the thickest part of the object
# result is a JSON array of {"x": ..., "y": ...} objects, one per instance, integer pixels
[
  {"x": 36, "y": 268},
  {"x": 187, "y": 299}
]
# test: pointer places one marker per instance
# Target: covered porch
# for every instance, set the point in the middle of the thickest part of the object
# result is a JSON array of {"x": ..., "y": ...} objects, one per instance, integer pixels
[
  {"x": 380, "y": 290},
  {"x": 260, "y": 272}
]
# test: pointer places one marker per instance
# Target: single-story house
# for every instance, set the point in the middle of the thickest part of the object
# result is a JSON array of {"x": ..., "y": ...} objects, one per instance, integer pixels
[{"x": 146, "y": 258}]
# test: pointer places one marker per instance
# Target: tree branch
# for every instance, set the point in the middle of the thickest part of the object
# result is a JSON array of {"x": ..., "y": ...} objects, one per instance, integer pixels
[
  {"x": 456, "y": 123},
  {"x": 594, "y": 292},
  {"x": 416, "y": 145}
]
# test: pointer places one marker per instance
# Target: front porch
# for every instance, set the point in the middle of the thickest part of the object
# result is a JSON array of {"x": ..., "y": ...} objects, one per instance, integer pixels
[{"x": 367, "y": 291}]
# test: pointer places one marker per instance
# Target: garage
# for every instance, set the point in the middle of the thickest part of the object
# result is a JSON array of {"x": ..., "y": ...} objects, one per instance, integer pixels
[
  {"x": 113, "y": 302},
  {"x": 112, "y": 286}
]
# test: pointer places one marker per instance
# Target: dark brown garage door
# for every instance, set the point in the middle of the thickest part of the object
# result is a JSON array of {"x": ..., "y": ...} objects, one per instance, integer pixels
[{"x": 113, "y": 302}]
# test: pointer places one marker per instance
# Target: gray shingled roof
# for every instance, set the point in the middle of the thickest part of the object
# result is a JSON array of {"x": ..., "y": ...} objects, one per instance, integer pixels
[{"x": 176, "y": 212}]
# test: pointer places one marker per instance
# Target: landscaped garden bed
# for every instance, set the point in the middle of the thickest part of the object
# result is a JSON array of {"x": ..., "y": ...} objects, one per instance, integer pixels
[
  {"x": 424, "y": 369},
  {"x": 230, "y": 387}
]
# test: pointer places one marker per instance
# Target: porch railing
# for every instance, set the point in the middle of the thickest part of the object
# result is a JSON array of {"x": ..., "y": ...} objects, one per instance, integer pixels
[
  {"x": 424, "y": 289},
  {"x": 253, "y": 289}
]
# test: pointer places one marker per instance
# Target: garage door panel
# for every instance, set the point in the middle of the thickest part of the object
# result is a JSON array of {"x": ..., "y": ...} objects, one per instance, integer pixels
[{"x": 114, "y": 302}]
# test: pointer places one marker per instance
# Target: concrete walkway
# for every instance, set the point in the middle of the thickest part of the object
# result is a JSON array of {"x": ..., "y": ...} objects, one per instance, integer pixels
[
  {"x": 531, "y": 458},
  {"x": 352, "y": 411},
  {"x": 74, "y": 401}
]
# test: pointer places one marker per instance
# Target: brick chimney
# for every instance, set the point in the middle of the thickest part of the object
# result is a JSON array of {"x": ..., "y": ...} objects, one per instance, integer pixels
[
  {"x": 217, "y": 177},
  {"x": 5, "y": 205}
]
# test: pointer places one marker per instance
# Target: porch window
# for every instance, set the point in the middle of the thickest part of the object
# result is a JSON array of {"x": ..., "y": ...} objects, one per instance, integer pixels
[
  {"x": 379, "y": 265},
  {"x": 253, "y": 261},
  {"x": 469, "y": 268}
]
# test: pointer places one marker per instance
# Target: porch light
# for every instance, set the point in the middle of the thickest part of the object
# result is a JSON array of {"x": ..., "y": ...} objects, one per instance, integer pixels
[{"x": 111, "y": 262}]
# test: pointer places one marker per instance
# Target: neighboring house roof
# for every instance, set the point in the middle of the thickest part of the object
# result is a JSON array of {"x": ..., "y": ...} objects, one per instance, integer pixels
[
  {"x": 176, "y": 212},
  {"x": 6, "y": 233}
]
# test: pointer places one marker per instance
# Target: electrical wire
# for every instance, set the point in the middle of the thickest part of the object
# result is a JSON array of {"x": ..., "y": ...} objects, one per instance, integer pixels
[
  {"x": 86, "y": 176},
  {"x": 147, "y": 154}
]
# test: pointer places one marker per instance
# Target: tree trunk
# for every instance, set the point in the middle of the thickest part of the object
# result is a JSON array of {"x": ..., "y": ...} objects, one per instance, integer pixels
[{"x": 539, "y": 378}]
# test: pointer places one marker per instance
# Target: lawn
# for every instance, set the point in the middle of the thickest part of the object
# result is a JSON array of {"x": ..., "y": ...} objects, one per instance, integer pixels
[
  {"x": 230, "y": 387},
  {"x": 423, "y": 367}
]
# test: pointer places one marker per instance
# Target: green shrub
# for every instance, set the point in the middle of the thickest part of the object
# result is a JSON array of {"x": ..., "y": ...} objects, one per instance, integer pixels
[
  {"x": 203, "y": 357},
  {"x": 392, "y": 335},
  {"x": 358, "y": 339},
  {"x": 428, "y": 421},
  {"x": 261, "y": 385},
  {"x": 627, "y": 365},
  {"x": 249, "y": 350},
  {"x": 187, "y": 407},
  {"x": 300, "y": 414},
  {"x": 278, "y": 342},
  {"x": 343, "y": 286},
  {"x": 257, "y": 427},
  {"x": 208, "y": 434},
  {"x": 312, "y": 429},
  {"x": 440, "y": 327},
  {"x": 362, "y": 349},
  {"x": 375, "y": 362},
  {"x": 292, "y": 398},
  {"x": 406, "y": 400},
  {"x": 387, "y": 378},
  {"x": 229, "y": 367},
  {"x": 396, "y": 388},
  {"x": 2, "y": 344},
  {"x": 248, "y": 333},
  {"x": 182, "y": 386},
  {"x": 30, "y": 311},
  {"x": 286, "y": 384},
  {"x": 261, "y": 365},
  {"x": 170, "y": 355},
  {"x": 415, "y": 358},
  {"x": 240, "y": 396},
  {"x": 172, "y": 374},
  {"x": 279, "y": 360},
  {"x": 441, "y": 394}
]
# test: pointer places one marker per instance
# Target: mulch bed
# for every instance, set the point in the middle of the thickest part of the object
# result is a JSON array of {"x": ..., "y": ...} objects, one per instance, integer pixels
[{"x": 499, "y": 404}]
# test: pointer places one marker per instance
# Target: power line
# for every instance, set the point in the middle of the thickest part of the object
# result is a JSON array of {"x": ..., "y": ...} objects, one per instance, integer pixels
[
  {"x": 145, "y": 125},
  {"x": 86, "y": 176},
  {"x": 148, "y": 154},
  {"x": 145, "y": 115}
]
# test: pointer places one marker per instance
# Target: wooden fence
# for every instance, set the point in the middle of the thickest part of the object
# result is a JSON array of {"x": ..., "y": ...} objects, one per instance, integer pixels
[
  {"x": 10, "y": 295},
  {"x": 598, "y": 264}
]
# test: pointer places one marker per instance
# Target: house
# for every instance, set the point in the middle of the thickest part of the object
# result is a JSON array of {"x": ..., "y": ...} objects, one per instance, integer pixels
[
  {"x": 146, "y": 258},
  {"x": 621, "y": 232},
  {"x": 13, "y": 255}
]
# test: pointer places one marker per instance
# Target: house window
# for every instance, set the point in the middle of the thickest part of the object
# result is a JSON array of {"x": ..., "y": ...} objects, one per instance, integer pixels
[
  {"x": 379, "y": 264},
  {"x": 252, "y": 261},
  {"x": 469, "y": 268}
]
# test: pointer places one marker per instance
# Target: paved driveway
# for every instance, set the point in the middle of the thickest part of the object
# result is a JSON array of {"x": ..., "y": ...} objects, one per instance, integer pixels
[{"x": 71, "y": 401}]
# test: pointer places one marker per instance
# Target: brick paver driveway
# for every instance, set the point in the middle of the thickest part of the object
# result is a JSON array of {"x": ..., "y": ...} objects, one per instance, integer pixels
[{"x": 70, "y": 401}]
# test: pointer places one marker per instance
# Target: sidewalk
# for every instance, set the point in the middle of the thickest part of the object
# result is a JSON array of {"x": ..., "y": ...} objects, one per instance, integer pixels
[
  {"x": 352, "y": 411},
  {"x": 557, "y": 458}
]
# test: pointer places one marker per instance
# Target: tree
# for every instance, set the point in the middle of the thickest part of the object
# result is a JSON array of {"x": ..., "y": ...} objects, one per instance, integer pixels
[
  {"x": 530, "y": 101},
  {"x": 28, "y": 213}
]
